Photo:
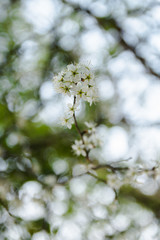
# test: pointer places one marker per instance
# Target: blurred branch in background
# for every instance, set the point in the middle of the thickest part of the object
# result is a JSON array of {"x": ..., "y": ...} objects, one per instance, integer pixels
[{"x": 111, "y": 22}]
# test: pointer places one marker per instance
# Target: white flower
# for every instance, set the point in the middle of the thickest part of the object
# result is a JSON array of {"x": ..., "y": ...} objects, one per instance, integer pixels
[
  {"x": 74, "y": 73},
  {"x": 88, "y": 143},
  {"x": 92, "y": 141},
  {"x": 63, "y": 88},
  {"x": 91, "y": 96},
  {"x": 72, "y": 108},
  {"x": 71, "y": 68},
  {"x": 84, "y": 69},
  {"x": 67, "y": 121},
  {"x": 79, "y": 148},
  {"x": 96, "y": 140},
  {"x": 79, "y": 91},
  {"x": 59, "y": 77},
  {"x": 89, "y": 76},
  {"x": 91, "y": 127},
  {"x": 58, "y": 86}
]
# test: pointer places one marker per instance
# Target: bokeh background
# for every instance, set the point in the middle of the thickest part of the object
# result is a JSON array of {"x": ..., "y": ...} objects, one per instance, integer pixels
[{"x": 41, "y": 195}]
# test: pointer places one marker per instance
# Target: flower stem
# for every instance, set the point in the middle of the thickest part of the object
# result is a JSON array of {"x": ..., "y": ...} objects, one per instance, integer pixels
[
  {"x": 75, "y": 121},
  {"x": 79, "y": 131}
]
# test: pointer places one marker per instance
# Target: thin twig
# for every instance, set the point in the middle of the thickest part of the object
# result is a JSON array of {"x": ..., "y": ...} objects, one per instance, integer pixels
[
  {"x": 98, "y": 178},
  {"x": 113, "y": 169},
  {"x": 75, "y": 121}
]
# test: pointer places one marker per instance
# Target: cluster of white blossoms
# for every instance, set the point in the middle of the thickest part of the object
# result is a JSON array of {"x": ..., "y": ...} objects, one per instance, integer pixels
[
  {"x": 89, "y": 141},
  {"x": 77, "y": 81}
]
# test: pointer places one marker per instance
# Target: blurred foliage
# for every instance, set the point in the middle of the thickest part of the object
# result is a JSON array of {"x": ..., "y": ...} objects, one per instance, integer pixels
[{"x": 37, "y": 190}]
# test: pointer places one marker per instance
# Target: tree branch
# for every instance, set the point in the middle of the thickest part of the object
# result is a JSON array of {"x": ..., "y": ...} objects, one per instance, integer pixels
[
  {"x": 75, "y": 121},
  {"x": 110, "y": 22}
]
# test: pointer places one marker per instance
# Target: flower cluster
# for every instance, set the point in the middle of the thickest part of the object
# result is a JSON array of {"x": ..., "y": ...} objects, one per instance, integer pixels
[
  {"x": 89, "y": 141},
  {"x": 78, "y": 81}
]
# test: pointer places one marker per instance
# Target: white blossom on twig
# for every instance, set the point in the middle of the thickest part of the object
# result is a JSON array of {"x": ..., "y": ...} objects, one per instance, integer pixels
[
  {"x": 67, "y": 121},
  {"x": 79, "y": 148}
]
